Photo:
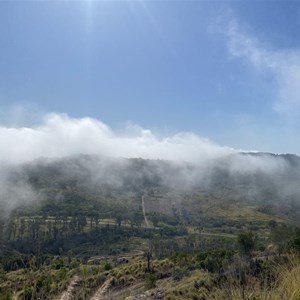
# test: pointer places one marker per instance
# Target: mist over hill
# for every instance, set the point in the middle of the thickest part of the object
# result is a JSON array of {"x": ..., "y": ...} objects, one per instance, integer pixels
[{"x": 262, "y": 179}]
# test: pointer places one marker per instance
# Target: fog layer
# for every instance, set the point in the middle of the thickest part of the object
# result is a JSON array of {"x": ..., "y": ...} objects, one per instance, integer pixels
[
  {"x": 60, "y": 135},
  {"x": 63, "y": 152}
]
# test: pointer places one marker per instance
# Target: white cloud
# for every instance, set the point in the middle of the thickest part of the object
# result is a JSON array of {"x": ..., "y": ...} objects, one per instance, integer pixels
[
  {"x": 284, "y": 65},
  {"x": 59, "y": 135}
]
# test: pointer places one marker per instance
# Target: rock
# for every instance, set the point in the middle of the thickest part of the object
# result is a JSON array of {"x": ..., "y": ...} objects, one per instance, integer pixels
[
  {"x": 159, "y": 294},
  {"x": 122, "y": 260}
]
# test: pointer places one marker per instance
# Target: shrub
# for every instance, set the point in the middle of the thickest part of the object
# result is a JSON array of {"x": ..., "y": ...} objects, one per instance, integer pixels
[
  {"x": 107, "y": 266},
  {"x": 150, "y": 281},
  {"x": 27, "y": 294}
]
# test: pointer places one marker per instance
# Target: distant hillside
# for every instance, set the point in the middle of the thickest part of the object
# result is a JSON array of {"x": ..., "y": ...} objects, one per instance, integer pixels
[{"x": 91, "y": 183}]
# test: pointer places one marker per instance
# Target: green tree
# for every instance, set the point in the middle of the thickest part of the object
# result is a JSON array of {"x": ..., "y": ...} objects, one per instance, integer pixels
[{"x": 246, "y": 242}]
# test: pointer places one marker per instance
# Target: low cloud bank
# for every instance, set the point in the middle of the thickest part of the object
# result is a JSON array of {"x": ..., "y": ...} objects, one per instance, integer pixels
[
  {"x": 59, "y": 135},
  {"x": 87, "y": 151}
]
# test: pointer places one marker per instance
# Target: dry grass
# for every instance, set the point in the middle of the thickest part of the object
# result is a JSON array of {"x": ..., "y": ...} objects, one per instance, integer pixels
[
  {"x": 246, "y": 214},
  {"x": 285, "y": 287}
]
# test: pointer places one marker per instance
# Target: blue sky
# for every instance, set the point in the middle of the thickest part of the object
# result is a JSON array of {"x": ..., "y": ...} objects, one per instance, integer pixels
[{"x": 227, "y": 71}]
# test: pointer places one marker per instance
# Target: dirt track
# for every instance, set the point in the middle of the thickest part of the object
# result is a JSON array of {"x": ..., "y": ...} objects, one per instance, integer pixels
[
  {"x": 102, "y": 290},
  {"x": 68, "y": 294},
  {"x": 144, "y": 213}
]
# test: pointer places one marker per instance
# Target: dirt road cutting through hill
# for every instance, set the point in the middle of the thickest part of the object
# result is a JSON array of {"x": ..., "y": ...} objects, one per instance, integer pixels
[{"x": 144, "y": 212}]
